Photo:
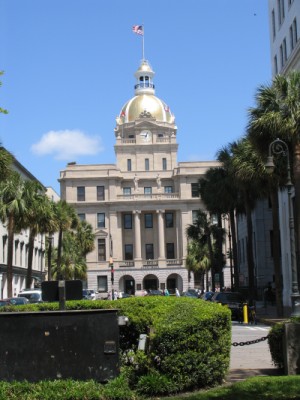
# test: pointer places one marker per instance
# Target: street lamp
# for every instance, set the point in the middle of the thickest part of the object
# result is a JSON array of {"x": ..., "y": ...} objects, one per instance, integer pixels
[{"x": 279, "y": 147}]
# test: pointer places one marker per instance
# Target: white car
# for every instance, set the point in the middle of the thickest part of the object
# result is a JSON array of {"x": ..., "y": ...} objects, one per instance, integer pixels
[
  {"x": 88, "y": 294},
  {"x": 33, "y": 295}
]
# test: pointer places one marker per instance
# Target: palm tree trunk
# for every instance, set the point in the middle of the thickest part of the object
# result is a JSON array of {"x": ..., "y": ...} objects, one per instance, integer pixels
[
  {"x": 59, "y": 251},
  {"x": 276, "y": 252},
  {"x": 250, "y": 258},
  {"x": 212, "y": 268},
  {"x": 234, "y": 250},
  {"x": 10, "y": 253},
  {"x": 30, "y": 259}
]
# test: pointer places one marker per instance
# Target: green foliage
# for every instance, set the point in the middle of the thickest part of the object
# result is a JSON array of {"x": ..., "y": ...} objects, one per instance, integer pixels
[
  {"x": 155, "y": 384},
  {"x": 275, "y": 341}
]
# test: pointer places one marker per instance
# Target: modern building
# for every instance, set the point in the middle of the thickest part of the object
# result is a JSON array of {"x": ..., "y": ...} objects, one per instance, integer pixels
[
  {"x": 20, "y": 255},
  {"x": 284, "y": 19},
  {"x": 141, "y": 206}
]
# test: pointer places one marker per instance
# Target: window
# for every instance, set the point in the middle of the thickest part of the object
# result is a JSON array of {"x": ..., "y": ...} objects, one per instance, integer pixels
[
  {"x": 129, "y": 165},
  {"x": 147, "y": 164},
  {"x": 168, "y": 189},
  {"x": 149, "y": 251},
  {"x": 195, "y": 189},
  {"x": 101, "y": 220},
  {"x": 100, "y": 193},
  {"x": 80, "y": 193},
  {"x": 293, "y": 34},
  {"x": 164, "y": 164},
  {"x": 126, "y": 191},
  {"x": 101, "y": 250},
  {"x": 128, "y": 252},
  {"x": 102, "y": 283},
  {"x": 194, "y": 216},
  {"x": 284, "y": 50},
  {"x": 169, "y": 218},
  {"x": 127, "y": 219},
  {"x": 81, "y": 217},
  {"x": 273, "y": 24},
  {"x": 148, "y": 221},
  {"x": 281, "y": 56},
  {"x": 170, "y": 251},
  {"x": 280, "y": 4},
  {"x": 147, "y": 190},
  {"x": 275, "y": 65}
]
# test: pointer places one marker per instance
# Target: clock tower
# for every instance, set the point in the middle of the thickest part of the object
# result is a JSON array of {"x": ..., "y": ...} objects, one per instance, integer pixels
[{"x": 145, "y": 130}]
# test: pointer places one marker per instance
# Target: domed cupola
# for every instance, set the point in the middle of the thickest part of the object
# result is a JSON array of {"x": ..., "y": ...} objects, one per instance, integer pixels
[{"x": 145, "y": 103}]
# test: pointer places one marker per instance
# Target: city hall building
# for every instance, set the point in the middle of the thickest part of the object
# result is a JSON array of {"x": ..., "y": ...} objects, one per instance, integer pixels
[{"x": 141, "y": 206}]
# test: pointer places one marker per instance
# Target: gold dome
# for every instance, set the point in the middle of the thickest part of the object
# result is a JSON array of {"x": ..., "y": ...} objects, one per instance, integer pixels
[{"x": 146, "y": 104}]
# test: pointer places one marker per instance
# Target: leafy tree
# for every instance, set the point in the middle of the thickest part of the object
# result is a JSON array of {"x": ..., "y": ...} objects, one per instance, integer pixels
[
  {"x": 2, "y": 110},
  {"x": 12, "y": 208},
  {"x": 6, "y": 160},
  {"x": 197, "y": 259}
]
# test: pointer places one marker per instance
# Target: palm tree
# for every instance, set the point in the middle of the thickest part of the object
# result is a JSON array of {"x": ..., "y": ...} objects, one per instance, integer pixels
[
  {"x": 85, "y": 237},
  {"x": 12, "y": 210},
  {"x": 279, "y": 114},
  {"x": 197, "y": 259},
  {"x": 38, "y": 218},
  {"x": 251, "y": 179},
  {"x": 6, "y": 160},
  {"x": 66, "y": 218},
  {"x": 201, "y": 230},
  {"x": 219, "y": 193}
]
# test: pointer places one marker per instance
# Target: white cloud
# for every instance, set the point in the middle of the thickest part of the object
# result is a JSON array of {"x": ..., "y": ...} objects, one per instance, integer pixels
[{"x": 67, "y": 144}]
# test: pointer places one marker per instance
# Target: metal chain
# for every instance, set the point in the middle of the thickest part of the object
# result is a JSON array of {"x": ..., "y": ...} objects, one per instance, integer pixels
[{"x": 235, "y": 344}]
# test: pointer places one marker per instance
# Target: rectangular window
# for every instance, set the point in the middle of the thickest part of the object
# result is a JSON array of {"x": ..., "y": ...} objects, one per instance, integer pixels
[
  {"x": 148, "y": 220},
  {"x": 149, "y": 251},
  {"x": 164, "y": 164},
  {"x": 275, "y": 65},
  {"x": 126, "y": 191},
  {"x": 127, "y": 219},
  {"x": 273, "y": 24},
  {"x": 129, "y": 165},
  {"x": 101, "y": 220},
  {"x": 195, "y": 189},
  {"x": 102, "y": 283},
  {"x": 170, "y": 251},
  {"x": 194, "y": 216},
  {"x": 281, "y": 56},
  {"x": 128, "y": 252},
  {"x": 284, "y": 50},
  {"x": 168, "y": 189},
  {"x": 100, "y": 193},
  {"x": 281, "y": 14},
  {"x": 81, "y": 217},
  {"x": 169, "y": 219},
  {"x": 101, "y": 250},
  {"x": 295, "y": 35},
  {"x": 147, "y": 190},
  {"x": 80, "y": 193},
  {"x": 147, "y": 165}
]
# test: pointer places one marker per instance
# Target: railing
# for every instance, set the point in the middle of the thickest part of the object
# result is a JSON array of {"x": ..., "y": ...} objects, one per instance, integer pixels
[
  {"x": 126, "y": 263},
  {"x": 153, "y": 196},
  {"x": 150, "y": 263},
  {"x": 128, "y": 141},
  {"x": 144, "y": 85},
  {"x": 174, "y": 262}
]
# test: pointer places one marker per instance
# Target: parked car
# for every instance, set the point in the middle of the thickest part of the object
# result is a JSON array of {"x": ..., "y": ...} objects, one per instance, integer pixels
[
  {"x": 4, "y": 303},
  {"x": 233, "y": 300},
  {"x": 88, "y": 294},
  {"x": 124, "y": 295},
  {"x": 17, "y": 301},
  {"x": 207, "y": 296},
  {"x": 154, "y": 292},
  {"x": 194, "y": 293},
  {"x": 33, "y": 295}
]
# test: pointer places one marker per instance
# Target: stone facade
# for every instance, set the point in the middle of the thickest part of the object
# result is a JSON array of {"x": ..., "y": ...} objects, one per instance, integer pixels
[{"x": 140, "y": 206}]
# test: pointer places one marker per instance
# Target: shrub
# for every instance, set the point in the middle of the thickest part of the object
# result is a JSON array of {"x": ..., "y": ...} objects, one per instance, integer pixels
[{"x": 155, "y": 384}]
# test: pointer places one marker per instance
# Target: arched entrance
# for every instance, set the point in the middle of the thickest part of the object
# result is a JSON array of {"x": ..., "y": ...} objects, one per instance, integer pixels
[
  {"x": 127, "y": 284},
  {"x": 150, "y": 282},
  {"x": 174, "y": 281}
]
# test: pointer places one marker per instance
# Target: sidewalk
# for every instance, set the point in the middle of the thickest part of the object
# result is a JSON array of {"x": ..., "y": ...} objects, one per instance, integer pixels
[{"x": 267, "y": 314}]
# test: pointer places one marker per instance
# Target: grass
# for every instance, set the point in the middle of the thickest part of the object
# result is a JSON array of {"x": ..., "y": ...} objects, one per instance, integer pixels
[{"x": 258, "y": 388}]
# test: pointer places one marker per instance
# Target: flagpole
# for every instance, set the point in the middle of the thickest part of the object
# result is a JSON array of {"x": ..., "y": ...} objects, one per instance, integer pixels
[{"x": 143, "y": 42}]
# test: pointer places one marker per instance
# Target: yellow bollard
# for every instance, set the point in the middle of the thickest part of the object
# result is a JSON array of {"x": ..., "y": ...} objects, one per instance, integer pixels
[{"x": 245, "y": 313}]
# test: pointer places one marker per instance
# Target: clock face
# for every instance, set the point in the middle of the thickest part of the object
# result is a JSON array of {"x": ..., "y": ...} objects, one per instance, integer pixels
[{"x": 146, "y": 135}]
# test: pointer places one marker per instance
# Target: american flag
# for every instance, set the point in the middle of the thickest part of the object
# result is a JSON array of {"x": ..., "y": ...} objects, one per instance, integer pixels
[{"x": 138, "y": 29}]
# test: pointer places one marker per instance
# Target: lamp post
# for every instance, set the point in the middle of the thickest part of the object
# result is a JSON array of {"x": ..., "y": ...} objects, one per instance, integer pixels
[{"x": 279, "y": 147}]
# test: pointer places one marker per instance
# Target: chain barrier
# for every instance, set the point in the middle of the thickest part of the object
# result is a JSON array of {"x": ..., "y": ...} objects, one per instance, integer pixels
[{"x": 262, "y": 339}]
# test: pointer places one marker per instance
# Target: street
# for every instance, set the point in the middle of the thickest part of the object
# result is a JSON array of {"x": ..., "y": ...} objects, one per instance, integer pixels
[{"x": 254, "y": 356}]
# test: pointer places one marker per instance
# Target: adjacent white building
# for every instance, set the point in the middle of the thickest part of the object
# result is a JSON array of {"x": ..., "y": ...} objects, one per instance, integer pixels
[{"x": 141, "y": 206}]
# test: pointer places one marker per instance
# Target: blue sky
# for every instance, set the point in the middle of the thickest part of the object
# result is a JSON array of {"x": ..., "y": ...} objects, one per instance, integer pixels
[{"x": 69, "y": 68}]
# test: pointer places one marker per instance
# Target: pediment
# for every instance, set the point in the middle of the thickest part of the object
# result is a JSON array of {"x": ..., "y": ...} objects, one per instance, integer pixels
[{"x": 101, "y": 232}]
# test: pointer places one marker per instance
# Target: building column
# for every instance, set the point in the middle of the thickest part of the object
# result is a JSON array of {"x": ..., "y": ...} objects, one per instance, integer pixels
[
  {"x": 137, "y": 235},
  {"x": 161, "y": 234}
]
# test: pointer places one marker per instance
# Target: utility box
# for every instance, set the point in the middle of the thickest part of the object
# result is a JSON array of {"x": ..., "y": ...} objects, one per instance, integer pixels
[{"x": 51, "y": 345}]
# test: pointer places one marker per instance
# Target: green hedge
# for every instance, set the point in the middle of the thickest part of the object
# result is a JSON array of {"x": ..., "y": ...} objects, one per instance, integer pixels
[
  {"x": 189, "y": 341},
  {"x": 275, "y": 341}
]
